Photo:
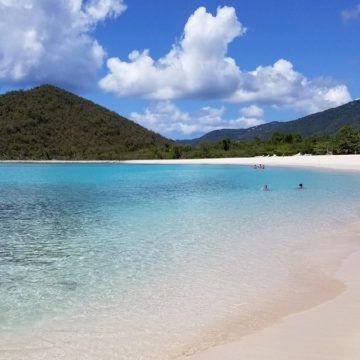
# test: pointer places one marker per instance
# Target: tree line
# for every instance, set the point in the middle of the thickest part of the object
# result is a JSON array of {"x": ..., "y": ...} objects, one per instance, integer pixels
[{"x": 345, "y": 141}]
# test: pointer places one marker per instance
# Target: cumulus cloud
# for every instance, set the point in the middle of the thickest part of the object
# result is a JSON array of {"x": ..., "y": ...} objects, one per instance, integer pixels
[
  {"x": 252, "y": 111},
  {"x": 166, "y": 118},
  {"x": 198, "y": 67},
  {"x": 351, "y": 14},
  {"x": 50, "y": 40},
  {"x": 281, "y": 86}
]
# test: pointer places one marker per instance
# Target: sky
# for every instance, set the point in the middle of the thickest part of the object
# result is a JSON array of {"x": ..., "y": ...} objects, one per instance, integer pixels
[{"x": 186, "y": 67}]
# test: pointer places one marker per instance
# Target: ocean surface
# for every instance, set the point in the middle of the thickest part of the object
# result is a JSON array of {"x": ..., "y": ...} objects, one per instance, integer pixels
[{"x": 144, "y": 261}]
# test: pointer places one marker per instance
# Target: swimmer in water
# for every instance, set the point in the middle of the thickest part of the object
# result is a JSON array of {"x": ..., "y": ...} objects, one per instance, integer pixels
[
  {"x": 301, "y": 186},
  {"x": 265, "y": 188}
]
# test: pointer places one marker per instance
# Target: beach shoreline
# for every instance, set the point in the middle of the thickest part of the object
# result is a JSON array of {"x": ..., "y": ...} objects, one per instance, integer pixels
[
  {"x": 325, "y": 324},
  {"x": 331, "y": 162},
  {"x": 329, "y": 330},
  {"x": 324, "y": 312}
]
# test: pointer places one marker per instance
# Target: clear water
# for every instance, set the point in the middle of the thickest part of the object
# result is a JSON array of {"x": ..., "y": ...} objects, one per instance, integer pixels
[{"x": 135, "y": 261}]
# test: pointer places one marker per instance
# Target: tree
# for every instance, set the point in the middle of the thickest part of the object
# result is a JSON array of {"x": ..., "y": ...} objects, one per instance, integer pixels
[
  {"x": 226, "y": 144},
  {"x": 347, "y": 141},
  {"x": 277, "y": 138},
  {"x": 177, "y": 152},
  {"x": 205, "y": 148}
]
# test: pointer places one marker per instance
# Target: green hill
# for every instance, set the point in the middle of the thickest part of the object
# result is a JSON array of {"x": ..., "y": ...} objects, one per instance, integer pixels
[
  {"x": 327, "y": 122},
  {"x": 50, "y": 123}
]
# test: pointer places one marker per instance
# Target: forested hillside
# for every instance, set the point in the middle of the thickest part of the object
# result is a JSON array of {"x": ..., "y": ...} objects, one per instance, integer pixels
[
  {"x": 50, "y": 123},
  {"x": 327, "y": 122}
]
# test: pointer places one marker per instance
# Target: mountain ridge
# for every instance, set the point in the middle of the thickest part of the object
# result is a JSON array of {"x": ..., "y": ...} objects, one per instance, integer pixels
[{"x": 326, "y": 122}]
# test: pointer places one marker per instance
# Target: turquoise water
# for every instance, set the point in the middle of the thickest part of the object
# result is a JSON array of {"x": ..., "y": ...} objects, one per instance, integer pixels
[{"x": 134, "y": 261}]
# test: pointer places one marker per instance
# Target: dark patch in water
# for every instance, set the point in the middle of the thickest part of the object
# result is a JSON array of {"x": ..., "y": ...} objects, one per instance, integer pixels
[{"x": 69, "y": 285}]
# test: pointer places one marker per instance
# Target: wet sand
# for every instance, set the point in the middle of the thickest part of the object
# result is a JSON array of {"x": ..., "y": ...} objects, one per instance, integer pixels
[{"x": 329, "y": 331}]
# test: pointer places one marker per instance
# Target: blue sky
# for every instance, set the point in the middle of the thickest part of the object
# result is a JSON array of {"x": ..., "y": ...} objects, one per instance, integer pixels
[{"x": 195, "y": 66}]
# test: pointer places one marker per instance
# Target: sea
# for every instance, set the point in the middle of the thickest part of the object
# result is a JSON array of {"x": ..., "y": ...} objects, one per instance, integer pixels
[{"x": 124, "y": 261}]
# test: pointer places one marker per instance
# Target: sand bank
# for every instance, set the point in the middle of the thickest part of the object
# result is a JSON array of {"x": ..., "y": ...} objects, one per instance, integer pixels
[
  {"x": 335, "y": 162},
  {"x": 328, "y": 331}
]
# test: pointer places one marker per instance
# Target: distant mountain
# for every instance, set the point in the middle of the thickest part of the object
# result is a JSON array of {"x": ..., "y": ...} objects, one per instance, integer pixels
[
  {"x": 50, "y": 123},
  {"x": 323, "y": 123}
]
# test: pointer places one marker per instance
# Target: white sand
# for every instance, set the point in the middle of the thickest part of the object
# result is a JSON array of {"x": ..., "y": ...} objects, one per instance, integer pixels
[
  {"x": 335, "y": 162},
  {"x": 330, "y": 331}
]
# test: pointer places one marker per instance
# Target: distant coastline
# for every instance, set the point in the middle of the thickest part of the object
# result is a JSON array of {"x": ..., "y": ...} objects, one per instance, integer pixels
[{"x": 334, "y": 162}]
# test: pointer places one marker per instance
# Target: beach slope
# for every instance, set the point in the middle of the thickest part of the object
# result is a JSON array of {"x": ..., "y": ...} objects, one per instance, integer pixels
[{"x": 330, "y": 331}]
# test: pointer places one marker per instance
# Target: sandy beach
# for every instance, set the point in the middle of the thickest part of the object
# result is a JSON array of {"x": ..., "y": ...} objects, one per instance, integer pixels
[
  {"x": 328, "y": 331},
  {"x": 335, "y": 162}
]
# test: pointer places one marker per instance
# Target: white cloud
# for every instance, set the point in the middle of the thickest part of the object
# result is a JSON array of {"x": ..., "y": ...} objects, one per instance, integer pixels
[
  {"x": 351, "y": 14},
  {"x": 98, "y": 10},
  {"x": 252, "y": 111},
  {"x": 166, "y": 118},
  {"x": 50, "y": 40},
  {"x": 281, "y": 86},
  {"x": 198, "y": 67}
]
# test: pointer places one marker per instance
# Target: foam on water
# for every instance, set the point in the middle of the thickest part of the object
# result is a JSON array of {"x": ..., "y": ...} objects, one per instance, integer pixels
[{"x": 136, "y": 261}]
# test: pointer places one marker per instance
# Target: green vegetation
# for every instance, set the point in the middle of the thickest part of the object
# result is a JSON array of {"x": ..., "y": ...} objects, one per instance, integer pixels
[
  {"x": 346, "y": 141},
  {"x": 50, "y": 123},
  {"x": 327, "y": 122}
]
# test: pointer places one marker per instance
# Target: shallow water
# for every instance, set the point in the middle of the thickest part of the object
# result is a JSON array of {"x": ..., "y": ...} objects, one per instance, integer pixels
[{"x": 134, "y": 261}]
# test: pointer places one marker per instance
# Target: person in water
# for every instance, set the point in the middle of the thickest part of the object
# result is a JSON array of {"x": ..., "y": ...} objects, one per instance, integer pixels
[
  {"x": 265, "y": 188},
  {"x": 301, "y": 186}
]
